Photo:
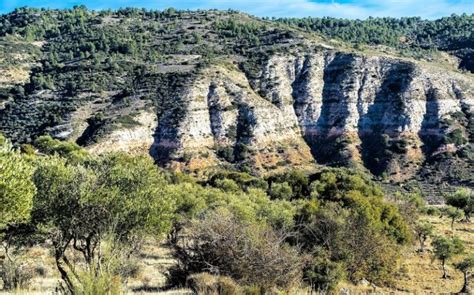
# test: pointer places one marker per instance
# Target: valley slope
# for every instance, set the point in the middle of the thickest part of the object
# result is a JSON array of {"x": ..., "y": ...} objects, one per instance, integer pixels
[{"x": 210, "y": 89}]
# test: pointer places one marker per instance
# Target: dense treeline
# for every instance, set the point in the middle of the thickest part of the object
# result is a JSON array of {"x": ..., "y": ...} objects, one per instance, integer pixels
[
  {"x": 447, "y": 33},
  {"x": 454, "y": 33}
]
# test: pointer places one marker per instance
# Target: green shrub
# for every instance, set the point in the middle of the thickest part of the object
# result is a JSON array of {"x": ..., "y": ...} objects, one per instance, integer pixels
[
  {"x": 116, "y": 195},
  {"x": 444, "y": 249},
  {"x": 462, "y": 199},
  {"x": 323, "y": 274},
  {"x": 432, "y": 211},
  {"x": 281, "y": 191}
]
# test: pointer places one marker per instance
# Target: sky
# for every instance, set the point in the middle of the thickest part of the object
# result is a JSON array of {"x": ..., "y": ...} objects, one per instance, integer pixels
[{"x": 361, "y": 9}]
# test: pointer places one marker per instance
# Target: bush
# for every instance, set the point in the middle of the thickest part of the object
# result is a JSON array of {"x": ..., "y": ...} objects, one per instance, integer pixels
[
  {"x": 355, "y": 191},
  {"x": 227, "y": 185},
  {"x": 462, "y": 199},
  {"x": 445, "y": 249},
  {"x": 69, "y": 150},
  {"x": 323, "y": 274},
  {"x": 16, "y": 186},
  {"x": 207, "y": 284},
  {"x": 347, "y": 237},
  {"x": 15, "y": 274},
  {"x": 281, "y": 191},
  {"x": 297, "y": 180},
  {"x": 433, "y": 211},
  {"x": 250, "y": 253}
]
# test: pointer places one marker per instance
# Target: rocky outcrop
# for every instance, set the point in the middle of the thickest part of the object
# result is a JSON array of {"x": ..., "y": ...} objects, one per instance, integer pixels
[
  {"x": 137, "y": 139},
  {"x": 385, "y": 114},
  {"x": 225, "y": 121}
]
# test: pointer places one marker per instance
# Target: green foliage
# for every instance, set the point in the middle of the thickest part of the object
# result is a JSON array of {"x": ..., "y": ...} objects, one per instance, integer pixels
[
  {"x": 462, "y": 199},
  {"x": 358, "y": 193},
  {"x": 453, "y": 213},
  {"x": 117, "y": 190},
  {"x": 69, "y": 150},
  {"x": 344, "y": 236},
  {"x": 227, "y": 185},
  {"x": 344, "y": 216},
  {"x": 244, "y": 180},
  {"x": 423, "y": 230},
  {"x": 324, "y": 274},
  {"x": 281, "y": 191},
  {"x": 408, "y": 34},
  {"x": 445, "y": 249},
  {"x": 16, "y": 185},
  {"x": 253, "y": 206},
  {"x": 466, "y": 266},
  {"x": 456, "y": 137},
  {"x": 296, "y": 180},
  {"x": 79, "y": 204}
]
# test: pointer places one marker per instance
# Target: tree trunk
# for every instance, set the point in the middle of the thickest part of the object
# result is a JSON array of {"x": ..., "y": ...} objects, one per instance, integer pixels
[
  {"x": 466, "y": 289},
  {"x": 422, "y": 245},
  {"x": 63, "y": 272},
  {"x": 445, "y": 272}
]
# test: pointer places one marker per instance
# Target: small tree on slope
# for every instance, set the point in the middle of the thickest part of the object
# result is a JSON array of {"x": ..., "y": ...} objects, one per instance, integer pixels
[
  {"x": 466, "y": 266},
  {"x": 444, "y": 249}
]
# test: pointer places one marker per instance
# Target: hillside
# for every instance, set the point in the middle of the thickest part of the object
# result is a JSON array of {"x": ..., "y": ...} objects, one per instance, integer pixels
[
  {"x": 411, "y": 36},
  {"x": 207, "y": 89}
]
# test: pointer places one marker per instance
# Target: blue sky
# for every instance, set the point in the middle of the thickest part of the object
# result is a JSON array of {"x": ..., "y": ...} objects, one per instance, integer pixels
[{"x": 291, "y": 8}]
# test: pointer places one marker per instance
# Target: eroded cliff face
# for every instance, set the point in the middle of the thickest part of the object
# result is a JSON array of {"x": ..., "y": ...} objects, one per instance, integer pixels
[
  {"x": 225, "y": 121},
  {"x": 384, "y": 114},
  {"x": 295, "y": 109}
]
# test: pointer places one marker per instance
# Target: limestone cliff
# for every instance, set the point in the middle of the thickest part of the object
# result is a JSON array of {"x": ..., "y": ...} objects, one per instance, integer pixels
[
  {"x": 297, "y": 109},
  {"x": 385, "y": 114}
]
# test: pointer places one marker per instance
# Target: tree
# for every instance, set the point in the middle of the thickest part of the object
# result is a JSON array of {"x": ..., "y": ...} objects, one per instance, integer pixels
[
  {"x": 423, "y": 230},
  {"x": 462, "y": 199},
  {"x": 80, "y": 204},
  {"x": 466, "y": 266},
  {"x": 444, "y": 249},
  {"x": 454, "y": 214},
  {"x": 16, "y": 194},
  {"x": 16, "y": 185}
]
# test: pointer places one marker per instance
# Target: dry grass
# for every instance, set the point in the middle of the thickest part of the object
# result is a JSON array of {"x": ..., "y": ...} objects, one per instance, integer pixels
[{"x": 418, "y": 273}]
